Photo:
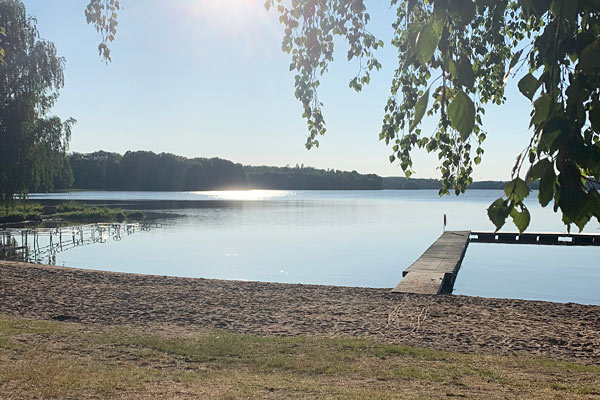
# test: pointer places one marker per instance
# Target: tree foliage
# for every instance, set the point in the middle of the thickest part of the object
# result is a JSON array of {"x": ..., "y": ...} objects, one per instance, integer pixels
[
  {"x": 456, "y": 56},
  {"x": 102, "y": 14},
  {"x": 145, "y": 170},
  {"x": 32, "y": 145}
]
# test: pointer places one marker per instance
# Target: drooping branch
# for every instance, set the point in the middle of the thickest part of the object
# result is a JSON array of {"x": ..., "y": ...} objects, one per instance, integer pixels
[{"x": 103, "y": 14}]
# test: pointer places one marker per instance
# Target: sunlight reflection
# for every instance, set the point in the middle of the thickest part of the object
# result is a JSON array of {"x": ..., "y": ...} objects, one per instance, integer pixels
[{"x": 245, "y": 194}]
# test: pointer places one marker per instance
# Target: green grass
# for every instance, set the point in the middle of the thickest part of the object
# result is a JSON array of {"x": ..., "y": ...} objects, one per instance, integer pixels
[
  {"x": 41, "y": 359},
  {"x": 70, "y": 211},
  {"x": 21, "y": 211}
]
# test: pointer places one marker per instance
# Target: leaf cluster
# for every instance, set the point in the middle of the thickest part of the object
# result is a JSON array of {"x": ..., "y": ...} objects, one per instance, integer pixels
[
  {"x": 311, "y": 27},
  {"x": 563, "y": 60},
  {"x": 456, "y": 56},
  {"x": 103, "y": 14}
]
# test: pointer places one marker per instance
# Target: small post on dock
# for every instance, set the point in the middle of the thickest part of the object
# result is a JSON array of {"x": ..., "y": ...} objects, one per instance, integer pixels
[{"x": 444, "y": 223}]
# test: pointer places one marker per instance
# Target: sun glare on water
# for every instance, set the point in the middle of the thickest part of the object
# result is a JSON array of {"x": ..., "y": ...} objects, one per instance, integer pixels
[{"x": 244, "y": 194}]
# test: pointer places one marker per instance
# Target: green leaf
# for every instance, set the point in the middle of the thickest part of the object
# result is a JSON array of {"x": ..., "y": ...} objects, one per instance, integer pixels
[
  {"x": 582, "y": 219},
  {"x": 521, "y": 218},
  {"x": 420, "y": 109},
  {"x": 452, "y": 68},
  {"x": 438, "y": 26},
  {"x": 412, "y": 35},
  {"x": 595, "y": 114},
  {"x": 572, "y": 195},
  {"x": 588, "y": 207},
  {"x": 498, "y": 211},
  {"x": 515, "y": 59},
  {"x": 589, "y": 60},
  {"x": 440, "y": 10},
  {"x": 427, "y": 42},
  {"x": 467, "y": 11},
  {"x": 464, "y": 69},
  {"x": 528, "y": 85},
  {"x": 516, "y": 190},
  {"x": 546, "y": 189},
  {"x": 542, "y": 107},
  {"x": 463, "y": 10},
  {"x": 593, "y": 203},
  {"x": 537, "y": 170},
  {"x": 461, "y": 112},
  {"x": 548, "y": 139}
]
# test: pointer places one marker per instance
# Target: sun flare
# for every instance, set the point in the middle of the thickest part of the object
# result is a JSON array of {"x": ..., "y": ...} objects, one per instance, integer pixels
[
  {"x": 243, "y": 22},
  {"x": 238, "y": 13}
]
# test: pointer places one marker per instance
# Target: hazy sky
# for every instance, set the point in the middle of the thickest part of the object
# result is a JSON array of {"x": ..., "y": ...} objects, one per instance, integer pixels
[{"x": 208, "y": 78}]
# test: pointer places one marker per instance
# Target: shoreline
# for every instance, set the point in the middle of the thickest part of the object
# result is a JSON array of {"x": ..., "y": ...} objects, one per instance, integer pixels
[{"x": 565, "y": 331}]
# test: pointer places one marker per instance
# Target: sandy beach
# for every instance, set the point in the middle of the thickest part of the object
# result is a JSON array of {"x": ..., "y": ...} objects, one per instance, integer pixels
[{"x": 459, "y": 323}]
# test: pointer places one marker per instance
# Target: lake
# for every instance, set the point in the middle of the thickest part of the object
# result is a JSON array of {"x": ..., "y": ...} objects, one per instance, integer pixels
[{"x": 349, "y": 238}]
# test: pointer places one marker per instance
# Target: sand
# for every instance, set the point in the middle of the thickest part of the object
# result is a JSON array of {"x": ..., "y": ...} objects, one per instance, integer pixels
[{"x": 460, "y": 323}]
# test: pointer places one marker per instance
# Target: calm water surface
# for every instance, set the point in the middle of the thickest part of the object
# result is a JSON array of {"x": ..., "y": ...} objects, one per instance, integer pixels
[{"x": 353, "y": 238}]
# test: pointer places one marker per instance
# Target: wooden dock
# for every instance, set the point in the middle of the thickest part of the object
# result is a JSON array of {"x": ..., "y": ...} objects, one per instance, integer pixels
[{"x": 435, "y": 271}]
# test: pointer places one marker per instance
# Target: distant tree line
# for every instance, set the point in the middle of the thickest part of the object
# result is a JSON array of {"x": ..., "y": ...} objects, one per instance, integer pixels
[
  {"x": 308, "y": 178},
  {"x": 145, "y": 170},
  {"x": 402, "y": 183},
  {"x": 148, "y": 171}
]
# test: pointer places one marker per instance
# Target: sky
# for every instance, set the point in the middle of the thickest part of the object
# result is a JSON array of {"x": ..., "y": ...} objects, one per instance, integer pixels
[{"x": 208, "y": 78}]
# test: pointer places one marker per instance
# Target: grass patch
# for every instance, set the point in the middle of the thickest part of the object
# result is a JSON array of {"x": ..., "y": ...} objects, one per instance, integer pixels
[
  {"x": 589, "y": 389},
  {"x": 40, "y": 359},
  {"x": 21, "y": 211},
  {"x": 549, "y": 364},
  {"x": 56, "y": 376},
  {"x": 70, "y": 211}
]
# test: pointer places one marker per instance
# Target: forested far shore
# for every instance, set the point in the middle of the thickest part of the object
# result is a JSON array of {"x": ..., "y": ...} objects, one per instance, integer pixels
[
  {"x": 402, "y": 183},
  {"x": 148, "y": 171},
  {"x": 145, "y": 170}
]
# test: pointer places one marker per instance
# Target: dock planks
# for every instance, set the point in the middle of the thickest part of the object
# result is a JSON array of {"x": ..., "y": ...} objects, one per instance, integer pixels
[{"x": 435, "y": 271}]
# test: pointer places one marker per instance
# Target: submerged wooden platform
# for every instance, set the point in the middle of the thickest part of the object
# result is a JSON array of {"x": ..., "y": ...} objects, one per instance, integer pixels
[{"x": 435, "y": 271}]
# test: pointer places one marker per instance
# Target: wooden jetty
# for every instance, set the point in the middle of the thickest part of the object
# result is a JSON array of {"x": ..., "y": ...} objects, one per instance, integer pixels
[{"x": 436, "y": 270}]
